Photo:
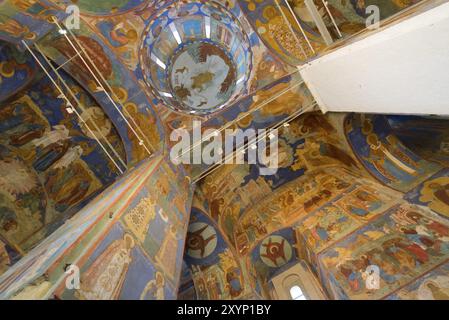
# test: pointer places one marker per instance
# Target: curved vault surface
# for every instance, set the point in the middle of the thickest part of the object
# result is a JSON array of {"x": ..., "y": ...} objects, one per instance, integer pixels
[{"x": 196, "y": 58}]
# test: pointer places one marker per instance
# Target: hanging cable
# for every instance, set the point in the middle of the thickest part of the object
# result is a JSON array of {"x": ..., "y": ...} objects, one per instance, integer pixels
[
  {"x": 300, "y": 26},
  {"x": 74, "y": 110},
  {"x": 332, "y": 17},
  {"x": 291, "y": 29},
  {"x": 80, "y": 105},
  {"x": 242, "y": 116},
  {"x": 122, "y": 111},
  {"x": 253, "y": 141}
]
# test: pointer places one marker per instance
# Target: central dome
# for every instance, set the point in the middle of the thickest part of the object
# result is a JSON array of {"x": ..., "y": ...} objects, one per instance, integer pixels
[{"x": 196, "y": 58}]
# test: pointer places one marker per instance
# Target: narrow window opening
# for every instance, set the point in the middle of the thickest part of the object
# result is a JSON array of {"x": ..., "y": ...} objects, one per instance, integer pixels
[{"x": 297, "y": 294}]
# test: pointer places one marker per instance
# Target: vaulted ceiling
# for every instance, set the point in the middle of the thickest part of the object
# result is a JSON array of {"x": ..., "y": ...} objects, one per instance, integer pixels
[{"x": 134, "y": 71}]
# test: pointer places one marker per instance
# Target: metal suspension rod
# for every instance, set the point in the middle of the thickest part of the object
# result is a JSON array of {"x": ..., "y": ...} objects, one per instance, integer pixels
[
  {"x": 245, "y": 147},
  {"x": 62, "y": 65},
  {"x": 80, "y": 105},
  {"x": 325, "y": 3},
  {"x": 243, "y": 116},
  {"x": 299, "y": 25},
  {"x": 65, "y": 97},
  {"x": 141, "y": 142},
  {"x": 291, "y": 28},
  {"x": 310, "y": 4}
]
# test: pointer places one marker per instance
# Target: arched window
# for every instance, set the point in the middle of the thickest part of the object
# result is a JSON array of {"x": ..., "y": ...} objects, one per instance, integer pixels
[
  {"x": 296, "y": 293},
  {"x": 297, "y": 283}
]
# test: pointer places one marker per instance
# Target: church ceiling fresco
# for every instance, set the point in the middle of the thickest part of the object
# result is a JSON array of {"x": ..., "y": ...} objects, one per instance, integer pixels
[
  {"x": 108, "y": 8},
  {"x": 90, "y": 220},
  {"x": 51, "y": 164},
  {"x": 324, "y": 226},
  {"x": 405, "y": 243},
  {"x": 269, "y": 19},
  {"x": 122, "y": 33},
  {"x": 286, "y": 206},
  {"x": 113, "y": 42},
  {"x": 296, "y": 96},
  {"x": 329, "y": 219},
  {"x": 215, "y": 272},
  {"x": 433, "y": 193},
  {"x": 349, "y": 15},
  {"x": 134, "y": 276},
  {"x": 205, "y": 55},
  {"x": 128, "y": 98},
  {"x": 119, "y": 233},
  {"x": 384, "y": 155},
  {"x": 309, "y": 143},
  {"x": 268, "y": 107},
  {"x": 350, "y": 191},
  {"x": 354, "y": 200},
  {"x": 269, "y": 75},
  {"x": 427, "y": 137},
  {"x": 273, "y": 253},
  {"x": 152, "y": 233},
  {"x": 16, "y": 70},
  {"x": 335, "y": 215},
  {"x": 121, "y": 26},
  {"x": 432, "y": 286},
  {"x": 26, "y": 20}
]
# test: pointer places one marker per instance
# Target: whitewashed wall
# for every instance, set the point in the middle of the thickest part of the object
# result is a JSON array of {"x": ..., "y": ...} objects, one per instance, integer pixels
[{"x": 403, "y": 69}]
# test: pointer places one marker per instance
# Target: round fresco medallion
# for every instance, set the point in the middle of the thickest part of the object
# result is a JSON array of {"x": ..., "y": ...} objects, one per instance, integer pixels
[
  {"x": 275, "y": 251},
  {"x": 202, "y": 76},
  {"x": 201, "y": 240}
]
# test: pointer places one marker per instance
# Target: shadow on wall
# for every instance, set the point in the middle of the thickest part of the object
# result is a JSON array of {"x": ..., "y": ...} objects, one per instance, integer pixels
[{"x": 427, "y": 137}]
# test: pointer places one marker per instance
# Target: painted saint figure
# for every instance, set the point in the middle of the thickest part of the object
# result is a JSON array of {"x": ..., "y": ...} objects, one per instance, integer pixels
[
  {"x": 104, "y": 279},
  {"x": 155, "y": 288}
]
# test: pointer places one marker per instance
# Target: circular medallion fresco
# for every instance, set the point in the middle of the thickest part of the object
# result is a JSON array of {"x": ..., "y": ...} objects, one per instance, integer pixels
[
  {"x": 196, "y": 58},
  {"x": 201, "y": 240},
  {"x": 275, "y": 251}
]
